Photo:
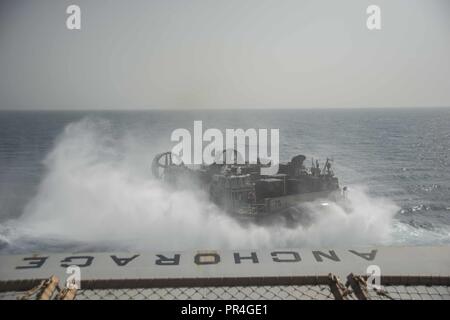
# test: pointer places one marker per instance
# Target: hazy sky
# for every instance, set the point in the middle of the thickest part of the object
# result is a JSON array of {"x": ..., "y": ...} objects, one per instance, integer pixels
[{"x": 224, "y": 54}]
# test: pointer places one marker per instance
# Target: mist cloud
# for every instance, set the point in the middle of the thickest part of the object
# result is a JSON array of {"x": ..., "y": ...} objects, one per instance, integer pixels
[{"x": 94, "y": 192}]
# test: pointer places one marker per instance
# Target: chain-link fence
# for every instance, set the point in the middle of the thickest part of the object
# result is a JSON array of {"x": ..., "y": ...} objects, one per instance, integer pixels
[
  {"x": 214, "y": 293},
  {"x": 305, "y": 292}
]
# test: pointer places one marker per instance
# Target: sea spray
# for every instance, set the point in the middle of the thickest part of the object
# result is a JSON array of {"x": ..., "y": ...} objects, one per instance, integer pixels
[{"x": 98, "y": 189}]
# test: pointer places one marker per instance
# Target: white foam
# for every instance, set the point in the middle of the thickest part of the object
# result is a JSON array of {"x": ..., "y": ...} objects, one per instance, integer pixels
[{"x": 98, "y": 188}]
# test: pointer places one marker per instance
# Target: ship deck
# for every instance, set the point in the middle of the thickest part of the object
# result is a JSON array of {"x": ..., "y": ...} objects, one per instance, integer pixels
[{"x": 404, "y": 273}]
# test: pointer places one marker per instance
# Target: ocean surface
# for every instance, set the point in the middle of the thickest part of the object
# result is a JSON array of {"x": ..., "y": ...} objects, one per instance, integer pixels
[{"x": 81, "y": 180}]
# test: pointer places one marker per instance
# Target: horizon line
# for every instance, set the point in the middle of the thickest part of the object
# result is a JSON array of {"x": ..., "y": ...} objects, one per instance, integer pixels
[{"x": 216, "y": 109}]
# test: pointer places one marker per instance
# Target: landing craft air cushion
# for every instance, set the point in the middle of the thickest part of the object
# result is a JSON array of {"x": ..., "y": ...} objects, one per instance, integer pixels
[{"x": 243, "y": 192}]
